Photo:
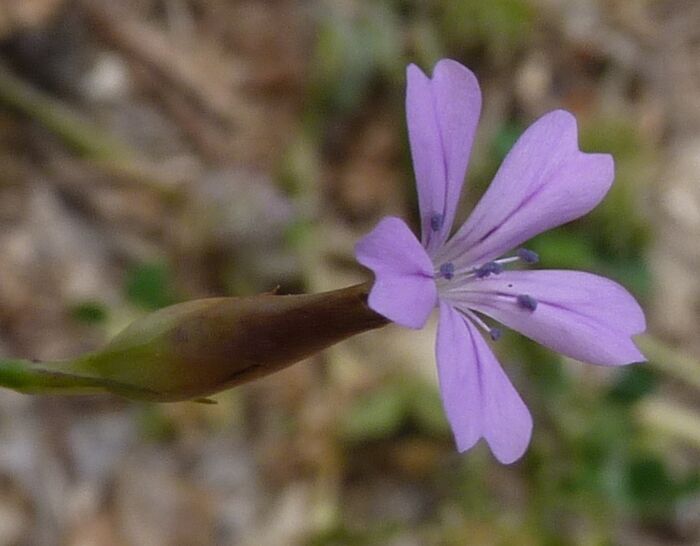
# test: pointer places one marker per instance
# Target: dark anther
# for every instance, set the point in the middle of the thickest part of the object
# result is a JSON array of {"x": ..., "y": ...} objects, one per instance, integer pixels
[
  {"x": 489, "y": 268},
  {"x": 528, "y": 256},
  {"x": 436, "y": 221},
  {"x": 526, "y": 302},
  {"x": 447, "y": 270}
]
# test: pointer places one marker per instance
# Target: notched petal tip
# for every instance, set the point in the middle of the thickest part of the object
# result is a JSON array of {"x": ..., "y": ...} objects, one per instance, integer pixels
[
  {"x": 584, "y": 316},
  {"x": 600, "y": 166},
  {"x": 544, "y": 181},
  {"x": 464, "y": 444},
  {"x": 478, "y": 397},
  {"x": 413, "y": 73},
  {"x": 442, "y": 113}
]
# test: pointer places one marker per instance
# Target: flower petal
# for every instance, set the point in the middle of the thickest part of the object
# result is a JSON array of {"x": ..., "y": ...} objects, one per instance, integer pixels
[
  {"x": 458, "y": 374},
  {"x": 584, "y": 316},
  {"x": 479, "y": 399},
  {"x": 544, "y": 181},
  {"x": 404, "y": 290},
  {"x": 442, "y": 116}
]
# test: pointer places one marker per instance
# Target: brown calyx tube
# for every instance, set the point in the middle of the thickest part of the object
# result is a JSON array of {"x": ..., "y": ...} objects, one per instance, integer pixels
[
  {"x": 193, "y": 349},
  {"x": 274, "y": 332}
]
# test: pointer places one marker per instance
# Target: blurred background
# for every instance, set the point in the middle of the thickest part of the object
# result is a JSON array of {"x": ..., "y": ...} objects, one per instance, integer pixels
[{"x": 153, "y": 151}]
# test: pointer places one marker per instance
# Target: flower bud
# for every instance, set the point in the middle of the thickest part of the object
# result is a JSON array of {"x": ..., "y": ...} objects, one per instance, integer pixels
[{"x": 193, "y": 349}]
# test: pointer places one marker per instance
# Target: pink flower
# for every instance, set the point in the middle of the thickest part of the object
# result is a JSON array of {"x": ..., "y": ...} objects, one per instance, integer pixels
[{"x": 545, "y": 181}]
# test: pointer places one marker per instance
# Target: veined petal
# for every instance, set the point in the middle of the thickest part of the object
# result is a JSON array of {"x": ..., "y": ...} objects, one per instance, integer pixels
[
  {"x": 544, "y": 181},
  {"x": 458, "y": 374},
  {"x": 404, "y": 290},
  {"x": 584, "y": 316},
  {"x": 442, "y": 116},
  {"x": 479, "y": 399}
]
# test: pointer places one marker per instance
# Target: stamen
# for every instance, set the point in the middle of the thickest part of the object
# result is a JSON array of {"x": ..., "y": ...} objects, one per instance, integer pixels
[
  {"x": 528, "y": 256},
  {"x": 526, "y": 302},
  {"x": 494, "y": 333},
  {"x": 447, "y": 270},
  {"x": 436, "y": 221},
  {"x": 504, "y": 261},
  {"x": 489, "y": 268}
]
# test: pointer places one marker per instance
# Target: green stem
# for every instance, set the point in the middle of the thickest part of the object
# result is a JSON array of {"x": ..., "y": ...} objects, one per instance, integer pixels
[
  {"x": 29, "y": 377},
  {"x": 80, "y": 135},
  {"x": 197, "y": 348},
  {"x": 95, "y": 145},
  {"x": 670, "y": 361},
  {"x": 59, "y": 378}
]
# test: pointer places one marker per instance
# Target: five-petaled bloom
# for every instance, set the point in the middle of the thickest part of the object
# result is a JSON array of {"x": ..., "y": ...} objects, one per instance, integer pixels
[{"x": 544, "y": 181}]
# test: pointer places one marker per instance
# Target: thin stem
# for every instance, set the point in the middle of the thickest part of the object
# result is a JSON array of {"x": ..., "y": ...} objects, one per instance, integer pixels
[{"x": 665, "y": 358}]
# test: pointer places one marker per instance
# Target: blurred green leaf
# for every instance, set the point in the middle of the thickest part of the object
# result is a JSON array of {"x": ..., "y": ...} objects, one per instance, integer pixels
[
  {"x": 621, "y": 230},
  {"x": 343, "y": 536},
  {"x": 376, "y": 415},
  {"x": 543, "y": 366},
  {"x": 633, "y": 383},
  {"x": 155, "y": 425},
  {"x": 299, "y": 233},
  {"x": 89, "y": 312},
  {"x": 399, "y": 403},
  {"x": 501, "y": 27},
  {"x": 426, "y": 409},
  {"x": 690, "y": 485},
  {"x": 504, "y": 140},
  {"x": 651, "y": 488},
  {"x": 560, "y": 248},
  {"x": 352, "y": 48},
  {"x": 149, "y": 286}
]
